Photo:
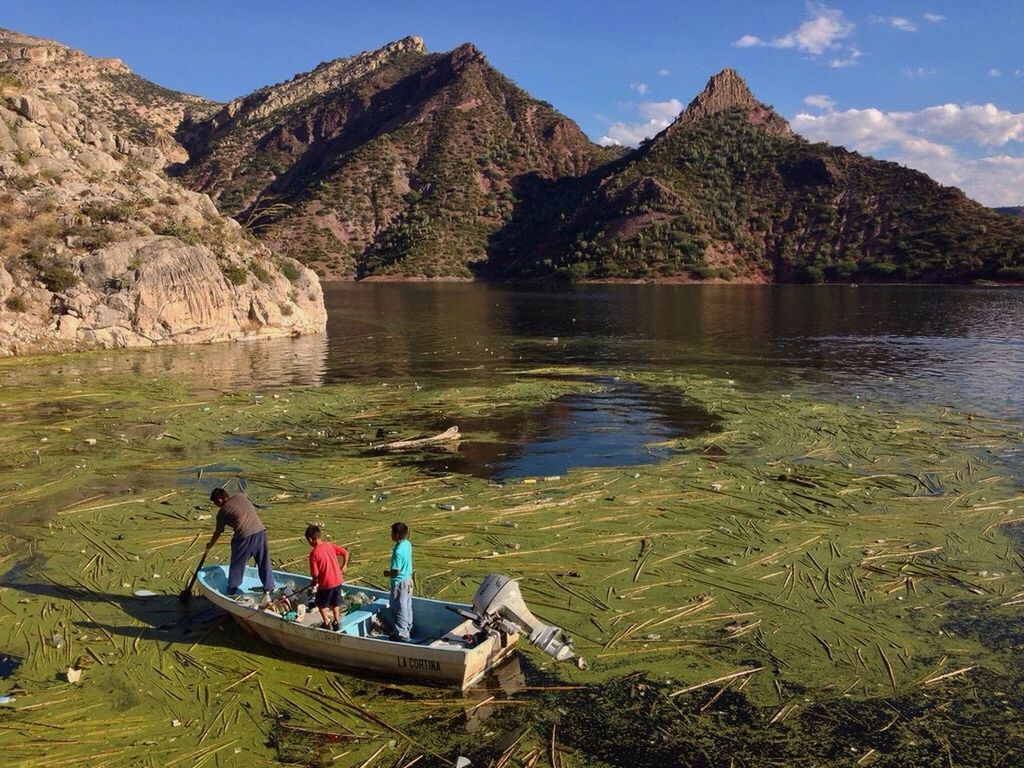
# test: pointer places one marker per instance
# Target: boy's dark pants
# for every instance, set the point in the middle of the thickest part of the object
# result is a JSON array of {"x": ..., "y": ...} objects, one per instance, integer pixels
[{"x": 254, "y": 546}]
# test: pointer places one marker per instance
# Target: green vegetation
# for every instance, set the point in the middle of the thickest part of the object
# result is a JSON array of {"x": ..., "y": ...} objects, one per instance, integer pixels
[
  {"x": 16, "y": 303},
  {"x": 187, "y": 234},
  {"x": 788, "y": 209},
  {"x": 9, "y": 82},
  {"x": 807, "y": 564},
  {"x": 259, "y": 272},
  {"x": 289, "y": 270},
  {"x": 235, "y": 273}
]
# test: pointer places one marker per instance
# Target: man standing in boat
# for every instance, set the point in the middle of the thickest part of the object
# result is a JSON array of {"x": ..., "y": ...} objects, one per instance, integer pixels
[
  {"x": 401, "y": 582},
  {"x": 249, "y": 539}
]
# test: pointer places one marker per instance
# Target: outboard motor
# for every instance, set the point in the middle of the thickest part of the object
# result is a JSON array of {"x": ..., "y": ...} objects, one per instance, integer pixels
[{"x": 499, "y": 605}]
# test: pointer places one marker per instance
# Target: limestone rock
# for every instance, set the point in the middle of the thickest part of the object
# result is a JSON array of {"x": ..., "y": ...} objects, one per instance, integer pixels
[
  {"x": 28, "y": 107},
  {"x": 122, "y": 255},
  {"x": 104, "y": 89}
]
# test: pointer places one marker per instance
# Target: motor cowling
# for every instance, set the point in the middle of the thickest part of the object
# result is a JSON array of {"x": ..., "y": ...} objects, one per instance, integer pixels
[{"x": 498, "y": 601}]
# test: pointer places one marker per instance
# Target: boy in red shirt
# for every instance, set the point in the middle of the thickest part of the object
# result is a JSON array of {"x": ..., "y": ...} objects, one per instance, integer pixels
[{"x": 327, "y": 576}]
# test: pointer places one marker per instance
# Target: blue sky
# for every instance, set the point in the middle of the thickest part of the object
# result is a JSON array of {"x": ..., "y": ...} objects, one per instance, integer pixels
[{"x": 935, "y": 85}]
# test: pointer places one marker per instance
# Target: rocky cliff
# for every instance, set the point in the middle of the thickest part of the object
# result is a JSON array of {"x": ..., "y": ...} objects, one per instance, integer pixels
[
  {"x": 728, "y": 192},
  {"x": 105, "y": 90},
  {"x": 393, "y": 162},
  {"x": 100, "y": 249}
]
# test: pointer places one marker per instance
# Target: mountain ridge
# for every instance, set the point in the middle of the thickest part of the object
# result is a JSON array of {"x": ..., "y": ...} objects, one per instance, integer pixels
[
  {"x": 410, "y": 162},
  {"x": 401, "y": 163}
]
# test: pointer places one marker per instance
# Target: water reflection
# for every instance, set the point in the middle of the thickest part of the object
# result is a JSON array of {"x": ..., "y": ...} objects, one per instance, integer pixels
[
  {"x": 954, "y": 345},
  {"x": 911, "y": 343},
  {"x": 251, "y": 364},
  {"x": 622, "y": 425}
]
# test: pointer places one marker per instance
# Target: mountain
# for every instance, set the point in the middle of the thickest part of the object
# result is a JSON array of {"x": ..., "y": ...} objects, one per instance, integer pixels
[
  {"x": 393, "y": 162},
  {"x": 104, "y": 90},
  {"x": 728, "y": 191},
  {"x": 1015, "y": 210},
  {"x": 401, "y": 163},
  {"x": 100, "y": 249}
]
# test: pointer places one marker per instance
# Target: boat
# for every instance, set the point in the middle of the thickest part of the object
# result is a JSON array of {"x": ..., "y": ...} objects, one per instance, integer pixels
[{"x": 452, "y": 644}]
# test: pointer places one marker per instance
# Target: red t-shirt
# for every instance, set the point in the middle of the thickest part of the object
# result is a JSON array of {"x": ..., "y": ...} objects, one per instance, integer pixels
[{"x": 323, "y": 564}]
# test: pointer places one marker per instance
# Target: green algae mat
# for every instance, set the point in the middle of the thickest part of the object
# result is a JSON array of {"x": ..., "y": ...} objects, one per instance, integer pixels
[{"x": 810, "y": 583}]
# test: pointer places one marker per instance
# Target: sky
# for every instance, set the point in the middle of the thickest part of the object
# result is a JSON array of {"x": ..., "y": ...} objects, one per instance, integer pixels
[{"x": 936, "y": 85}]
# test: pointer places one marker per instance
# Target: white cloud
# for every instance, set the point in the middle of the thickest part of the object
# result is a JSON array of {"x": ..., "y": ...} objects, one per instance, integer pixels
[
  {"x": 927, "y": 140},
  {"x": 657, "y": 116},
  {"x": 848, "y": 61},
  {"x": 919, "y": 72},
  {"x": 821, "y": 101},
  {"x": 934, "y": 18},
  {"x": 666, "y": 111},
  {"x": 994, "y": 180},
  {"x": 748, "y": 41},
  {"x": 903, "y": 25},
  {"x": 640, "y": 88},
  {"x": 985, "y": 124},
  {"x": 818, "y": 33},
  {"x": 995, "y": 72},
  {"x": 664, "y": 72},
  {"x": 815, "y": 35}
]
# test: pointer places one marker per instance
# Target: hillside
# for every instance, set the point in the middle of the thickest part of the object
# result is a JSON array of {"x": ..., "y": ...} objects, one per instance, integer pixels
[
  {"x": 727, "y": 191},
  {"x": 395, "y": 162},
  {"x": 400, "y": 163},
  {"x": 104, "y": 90},
  {"x": 1016, "y": 211},
  {"x": 100, "y": 249}
]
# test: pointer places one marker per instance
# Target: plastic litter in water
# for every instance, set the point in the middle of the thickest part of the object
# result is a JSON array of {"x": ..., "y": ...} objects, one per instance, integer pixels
[
  {"x": 57, "y": 640},
  {"x": 6, "y": 699},
  {"x": 144, "y": 593}
]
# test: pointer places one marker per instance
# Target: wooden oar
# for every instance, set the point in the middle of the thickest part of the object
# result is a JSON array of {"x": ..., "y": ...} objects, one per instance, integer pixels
[{"x": 187, "y": 592}]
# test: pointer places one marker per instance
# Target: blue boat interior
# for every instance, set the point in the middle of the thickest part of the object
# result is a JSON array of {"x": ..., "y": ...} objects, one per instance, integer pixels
[{"x": 431, "y": 618}]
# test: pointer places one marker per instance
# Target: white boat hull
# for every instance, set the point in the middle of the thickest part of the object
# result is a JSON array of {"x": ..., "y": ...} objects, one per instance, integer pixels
[{"x": 438, "y": 654}]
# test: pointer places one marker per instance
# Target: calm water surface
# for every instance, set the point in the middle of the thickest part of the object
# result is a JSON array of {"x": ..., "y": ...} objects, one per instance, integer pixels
[
  {"x": 958, "y": 346},
  {"x": 931, "y": 344}
]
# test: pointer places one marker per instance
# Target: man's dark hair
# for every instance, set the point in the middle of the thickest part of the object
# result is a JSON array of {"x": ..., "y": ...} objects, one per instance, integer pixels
[
  {"x": 312, "y": 531},
  {"x": 218, "y": 494},
  {"x": 401, "y": 530}
]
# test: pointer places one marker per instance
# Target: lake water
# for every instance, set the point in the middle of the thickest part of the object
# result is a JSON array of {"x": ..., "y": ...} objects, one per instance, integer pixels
[
  {"x": 937, "y": 344},
  {"x": 910, "y": 345}
]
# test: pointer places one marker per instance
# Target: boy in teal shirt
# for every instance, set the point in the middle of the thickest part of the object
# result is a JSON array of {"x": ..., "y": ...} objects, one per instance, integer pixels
[{"x": 401, "y": 582}]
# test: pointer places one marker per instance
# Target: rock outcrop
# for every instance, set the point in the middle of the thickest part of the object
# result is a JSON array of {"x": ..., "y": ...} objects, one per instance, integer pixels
[
  {"x": 100, "y": 249},
  {"x": 728, "y": 91},
  {"x": 105, "y": 90}
]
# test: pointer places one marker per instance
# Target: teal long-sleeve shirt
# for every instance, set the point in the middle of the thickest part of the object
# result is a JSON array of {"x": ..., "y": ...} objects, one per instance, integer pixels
[{"x": 401, "y": 561}]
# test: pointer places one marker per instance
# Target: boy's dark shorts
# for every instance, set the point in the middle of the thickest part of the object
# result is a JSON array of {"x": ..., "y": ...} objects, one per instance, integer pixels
[{"x": 328, "y": 598}]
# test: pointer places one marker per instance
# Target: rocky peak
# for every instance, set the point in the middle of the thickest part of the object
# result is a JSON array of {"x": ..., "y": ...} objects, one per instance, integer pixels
[
  {"x": 466, "y": 54},
  {"x": 726, "y": 91},
  {"x": 324, "y": 78},
  {"x": 19, "y": 49}
]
